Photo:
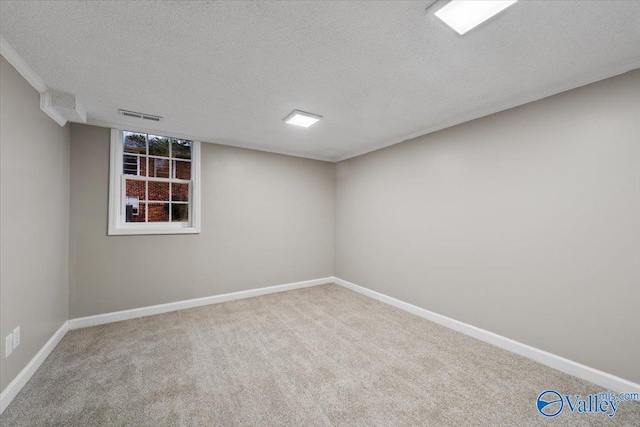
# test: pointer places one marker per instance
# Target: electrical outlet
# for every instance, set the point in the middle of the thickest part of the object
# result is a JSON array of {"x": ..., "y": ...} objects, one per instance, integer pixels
[
  {"x": 8, "y": 345},
  {"x": 16, "y": 337}
]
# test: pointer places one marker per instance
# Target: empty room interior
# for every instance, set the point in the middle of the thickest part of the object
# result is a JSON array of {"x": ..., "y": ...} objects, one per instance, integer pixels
[{"x": 320, "y": 213}]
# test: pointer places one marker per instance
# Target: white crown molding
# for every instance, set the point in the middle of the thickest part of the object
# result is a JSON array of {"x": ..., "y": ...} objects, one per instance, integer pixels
[
  {"x": 14, "y": 387},
  {"x": 203, "y": 139},
  {"x": 19, "y": 64},
  {"x": 117, "y": 316},
  {"x": 32, "y": 77},
  {"x": 516, "y": 101},
  {"x": 603, "y": 379}
]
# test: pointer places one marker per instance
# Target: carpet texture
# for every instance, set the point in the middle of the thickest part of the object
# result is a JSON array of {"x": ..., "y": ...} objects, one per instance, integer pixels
[{"x": 316, "y": 356}]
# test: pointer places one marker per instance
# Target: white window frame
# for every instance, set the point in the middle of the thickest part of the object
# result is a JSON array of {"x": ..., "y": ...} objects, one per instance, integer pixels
[{"x": 117, "y": 221}]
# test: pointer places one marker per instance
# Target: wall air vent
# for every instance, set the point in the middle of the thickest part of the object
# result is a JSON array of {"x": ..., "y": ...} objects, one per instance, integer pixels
[{"x": 140, "y": 115}]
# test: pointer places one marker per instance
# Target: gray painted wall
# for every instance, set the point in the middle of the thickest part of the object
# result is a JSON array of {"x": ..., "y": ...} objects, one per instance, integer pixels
[
  {"x": 525, "y": 223},
  {"x": 267, "y": 219},
  {"x": 34, "y": 221}
]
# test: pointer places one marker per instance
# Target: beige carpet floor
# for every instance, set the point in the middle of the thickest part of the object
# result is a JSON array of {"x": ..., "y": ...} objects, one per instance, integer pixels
[{"x": 316, "y": 356}]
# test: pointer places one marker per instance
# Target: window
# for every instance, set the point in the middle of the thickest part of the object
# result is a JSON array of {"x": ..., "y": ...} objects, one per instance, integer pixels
[{"x": 154, "y": 184}]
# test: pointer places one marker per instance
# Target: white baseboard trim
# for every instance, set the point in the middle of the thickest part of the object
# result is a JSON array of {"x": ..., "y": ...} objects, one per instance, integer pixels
[
  {"x": 117, "y": 316},
  {"x": 14, "y": 387},
  {"x": 603, "y": 379},
  {"x": 12, "y": 390}
]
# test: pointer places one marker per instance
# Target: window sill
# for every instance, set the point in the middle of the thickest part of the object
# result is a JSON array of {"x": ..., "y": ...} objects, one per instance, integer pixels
[{"x": 134, "y": 231}]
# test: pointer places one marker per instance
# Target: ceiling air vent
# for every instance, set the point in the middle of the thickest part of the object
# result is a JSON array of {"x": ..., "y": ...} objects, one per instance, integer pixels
[{"x": 140, "y": 115}]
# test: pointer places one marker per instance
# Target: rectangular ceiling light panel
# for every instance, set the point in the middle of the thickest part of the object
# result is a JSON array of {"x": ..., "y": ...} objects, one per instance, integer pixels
[
  {"x": 464, "y": 15},
  {"x": 300, "y": 118}
]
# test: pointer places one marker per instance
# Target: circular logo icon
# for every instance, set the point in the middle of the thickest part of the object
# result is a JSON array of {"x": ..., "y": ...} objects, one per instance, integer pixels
[{"x": 550, "y": 403}]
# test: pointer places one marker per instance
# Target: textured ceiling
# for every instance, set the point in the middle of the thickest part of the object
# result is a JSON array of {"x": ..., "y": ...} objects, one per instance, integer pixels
[{"x": 379, "y": 72}]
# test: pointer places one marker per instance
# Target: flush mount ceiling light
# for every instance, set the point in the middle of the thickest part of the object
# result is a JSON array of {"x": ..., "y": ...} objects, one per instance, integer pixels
[
  {"x": 301, "y": 118},
  {"x": 463, "y": 15}
]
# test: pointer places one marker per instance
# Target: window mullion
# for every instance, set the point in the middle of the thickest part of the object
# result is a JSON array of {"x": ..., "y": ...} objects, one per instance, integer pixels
[
  {"x": 146, "y": 183},
  {"x": 157, "y": 179},
  {"x": 170, "y": 181},
  {"x": 123, "y": 190}
]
